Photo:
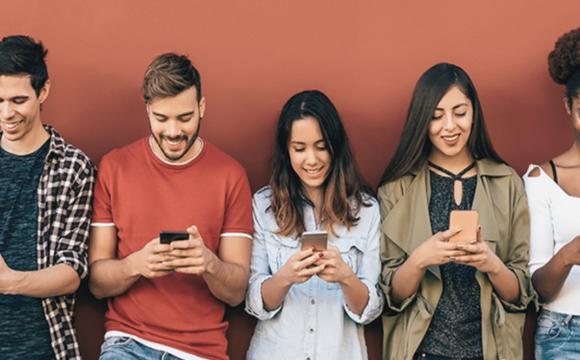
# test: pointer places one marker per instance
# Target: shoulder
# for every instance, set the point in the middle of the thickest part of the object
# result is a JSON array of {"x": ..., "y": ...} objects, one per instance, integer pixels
[
  {"x": 221, "y": 161},
  {"x": 394, "y": 190},
  {"x": 119, "y": 156},
  {"x": 262, "y": 198}
]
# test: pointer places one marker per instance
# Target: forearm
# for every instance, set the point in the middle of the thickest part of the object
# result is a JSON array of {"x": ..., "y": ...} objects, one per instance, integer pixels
[
  {"x": 56, "y": 280},
  {"x": 406, "y": 280},
  {"x": 274, "y": 291},
  {"x": 549, "y": 279},
  {"x": 356, "y": 294},
  {"x": 112, "y": 277},
  {"x": 505, "y": 283},
  {"x": 226, "y": 281}
]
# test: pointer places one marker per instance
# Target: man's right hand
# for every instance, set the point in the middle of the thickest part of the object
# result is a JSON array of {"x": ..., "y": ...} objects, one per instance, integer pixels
[
  {"x": 299, "y": 267},
  {"x": 148, "y": 261}
]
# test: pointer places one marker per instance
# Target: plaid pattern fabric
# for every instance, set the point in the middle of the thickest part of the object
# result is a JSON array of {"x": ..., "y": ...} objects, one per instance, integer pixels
[{"x": 65, "y": 195}]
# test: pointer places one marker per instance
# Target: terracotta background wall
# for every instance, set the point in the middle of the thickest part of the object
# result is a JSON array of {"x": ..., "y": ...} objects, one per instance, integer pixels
[{"x": 254, "y": 54}]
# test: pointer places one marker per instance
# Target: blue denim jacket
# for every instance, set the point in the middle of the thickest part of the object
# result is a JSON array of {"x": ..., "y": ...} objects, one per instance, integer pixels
[{"x": 314, "y": 321}]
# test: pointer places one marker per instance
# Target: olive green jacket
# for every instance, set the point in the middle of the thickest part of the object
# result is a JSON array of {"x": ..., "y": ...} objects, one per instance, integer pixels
[{"x": 503, "y": 215}]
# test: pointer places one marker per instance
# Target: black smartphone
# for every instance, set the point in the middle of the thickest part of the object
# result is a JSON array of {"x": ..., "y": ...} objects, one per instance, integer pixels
[{"x": 166, "y": 237}]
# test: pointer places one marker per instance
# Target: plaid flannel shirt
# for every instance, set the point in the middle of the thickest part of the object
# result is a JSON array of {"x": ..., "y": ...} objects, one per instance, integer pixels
[{"x": 65, "y": 193}]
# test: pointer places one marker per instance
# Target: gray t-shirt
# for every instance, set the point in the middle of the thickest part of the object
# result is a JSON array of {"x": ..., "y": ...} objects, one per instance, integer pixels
[{"x": 24, "y": 332}]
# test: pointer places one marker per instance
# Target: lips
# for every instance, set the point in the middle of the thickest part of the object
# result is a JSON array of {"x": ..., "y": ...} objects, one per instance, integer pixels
[
  {"x": 12, "y": 126},
  {"x": 174, "y": 143},
  {"x": 313, "y": 172},
  {"x": 450, "y": 139}
]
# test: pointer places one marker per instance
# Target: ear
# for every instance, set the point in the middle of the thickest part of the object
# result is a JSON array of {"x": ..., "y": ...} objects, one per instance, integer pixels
[
  {"x": 567, "y": 105},
  {"x": 201, "y": 107},
  {"x": 44, "y": 92}
]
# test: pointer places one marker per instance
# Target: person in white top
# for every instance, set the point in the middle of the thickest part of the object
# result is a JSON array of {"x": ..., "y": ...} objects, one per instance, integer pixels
[{"x": 554, "y": 200}]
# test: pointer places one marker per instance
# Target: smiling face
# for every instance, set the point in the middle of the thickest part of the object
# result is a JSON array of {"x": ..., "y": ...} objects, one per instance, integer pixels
[
  {"x": 309, "y": 155},
  {"x": 175, "y": 124},
  {"x": 451, "y": 125},
  {"x": 20, "y": 110}
]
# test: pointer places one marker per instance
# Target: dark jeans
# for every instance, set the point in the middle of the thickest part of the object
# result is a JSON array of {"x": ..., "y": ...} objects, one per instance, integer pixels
[{"x": 425, "y": 356}]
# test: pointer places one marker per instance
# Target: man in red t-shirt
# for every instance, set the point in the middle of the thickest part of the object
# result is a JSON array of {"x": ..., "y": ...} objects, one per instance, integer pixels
[{"x": 167, "y": 300}]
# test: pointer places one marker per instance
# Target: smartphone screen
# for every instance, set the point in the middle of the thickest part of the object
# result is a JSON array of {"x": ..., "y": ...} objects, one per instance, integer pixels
[
  {"x": 166, "y": 237},
  {"x": 467, "y": 221},
  {"x": 314, "y": 239}
]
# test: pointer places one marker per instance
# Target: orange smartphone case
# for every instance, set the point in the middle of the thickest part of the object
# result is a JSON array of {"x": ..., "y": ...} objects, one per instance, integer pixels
[{"x": 467, "y": 221}]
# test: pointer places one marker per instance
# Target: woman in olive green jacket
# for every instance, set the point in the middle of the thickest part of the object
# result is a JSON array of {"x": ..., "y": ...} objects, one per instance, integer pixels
[{"x": 448, "y": 299}]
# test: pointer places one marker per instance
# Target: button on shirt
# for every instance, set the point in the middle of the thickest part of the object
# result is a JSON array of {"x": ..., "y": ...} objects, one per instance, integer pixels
[{"x": 314, "y": 321}]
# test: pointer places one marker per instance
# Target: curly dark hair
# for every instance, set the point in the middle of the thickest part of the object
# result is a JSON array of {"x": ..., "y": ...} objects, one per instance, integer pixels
[{"x": 564, "y": 62}]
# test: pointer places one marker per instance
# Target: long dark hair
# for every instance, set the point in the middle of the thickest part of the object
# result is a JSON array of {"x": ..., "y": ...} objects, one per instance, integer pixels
[
  {"x": 343, "y": 187},
  {"x": 415, "y": 145}
]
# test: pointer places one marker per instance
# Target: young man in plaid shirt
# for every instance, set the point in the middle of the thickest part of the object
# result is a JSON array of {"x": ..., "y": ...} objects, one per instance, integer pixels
[{"x": 46, "y": 188}]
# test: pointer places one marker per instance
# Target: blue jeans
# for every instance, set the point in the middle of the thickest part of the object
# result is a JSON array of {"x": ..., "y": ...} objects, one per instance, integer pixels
[
  {"x": 125, "y": 348},
  {"x": 557, "y": 336}
]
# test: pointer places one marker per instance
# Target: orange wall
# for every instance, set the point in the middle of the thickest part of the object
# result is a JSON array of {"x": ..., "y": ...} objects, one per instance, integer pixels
[{"x": 253, "y": 55}]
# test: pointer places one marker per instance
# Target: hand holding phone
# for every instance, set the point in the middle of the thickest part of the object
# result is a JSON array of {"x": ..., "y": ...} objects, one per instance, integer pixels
[
  {"x": 468, "y": 222},
  {"x": 166, "y": 237}
]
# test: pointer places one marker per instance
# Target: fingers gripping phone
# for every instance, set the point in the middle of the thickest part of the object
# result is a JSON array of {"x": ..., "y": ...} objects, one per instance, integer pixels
[
  {"x": 166, "y": 237},
  {"x": 467, "y": 221},
  {"x": 316, "y": 240}
]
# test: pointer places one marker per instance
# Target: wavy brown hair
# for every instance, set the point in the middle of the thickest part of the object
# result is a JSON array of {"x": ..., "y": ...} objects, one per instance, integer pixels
[{"x": 343, "y": 188}]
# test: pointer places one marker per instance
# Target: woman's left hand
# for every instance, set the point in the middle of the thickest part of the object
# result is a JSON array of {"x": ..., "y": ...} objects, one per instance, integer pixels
[
  {"x": 335, "y": 269},
  {"x": 480, "y": 256}
]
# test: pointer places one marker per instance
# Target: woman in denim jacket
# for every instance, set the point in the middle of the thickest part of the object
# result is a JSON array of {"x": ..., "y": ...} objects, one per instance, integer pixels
[{"x": 313, "y": 304}]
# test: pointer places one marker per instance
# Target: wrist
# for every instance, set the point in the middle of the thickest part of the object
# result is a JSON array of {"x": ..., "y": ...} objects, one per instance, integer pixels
[
  {"x": 11, "y": 280},
  {"x": 132, "y": 265},
  {"x": 562, "y": 258},
  {"x": 497, "y": 266},
  {"x": 349, "y": 279},
  {"x": 416, "y": 262},
  {"x": 212, "y": 263}
]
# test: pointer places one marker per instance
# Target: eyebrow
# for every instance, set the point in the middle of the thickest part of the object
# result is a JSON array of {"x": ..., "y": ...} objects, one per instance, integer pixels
[
  {"x": 179, "y": 116},
  {"x": 453, "y": 108},
  {"x": 303, "y": 143}
]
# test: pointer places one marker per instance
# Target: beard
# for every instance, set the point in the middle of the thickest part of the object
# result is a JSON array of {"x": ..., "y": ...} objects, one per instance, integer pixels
[{"x": 189, "y": 143}]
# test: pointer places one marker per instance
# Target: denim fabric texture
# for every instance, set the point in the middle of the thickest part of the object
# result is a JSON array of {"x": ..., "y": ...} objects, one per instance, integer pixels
[
  {"x": 125, "y": 348},
  {"x": 557, "y": 336}
]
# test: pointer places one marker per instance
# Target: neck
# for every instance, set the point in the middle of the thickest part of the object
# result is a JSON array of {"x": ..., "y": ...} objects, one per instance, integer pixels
[
  {"x": 575, "y": 149},
  {"x": 452, "y": 163},
  {"x": 29, "y": 143}
]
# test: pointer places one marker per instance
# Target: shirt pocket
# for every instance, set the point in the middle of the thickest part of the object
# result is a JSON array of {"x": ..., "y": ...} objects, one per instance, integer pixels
[
  {"x": 351, "y": 251},
  {"x": 280, "y": 249}
]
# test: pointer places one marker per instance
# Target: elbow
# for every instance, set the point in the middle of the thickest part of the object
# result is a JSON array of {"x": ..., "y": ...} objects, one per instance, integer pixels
[
  {"x": 73, "y": 285},
  {"x": 236, "y": 299},
  {"x": 96, "y": 290}
]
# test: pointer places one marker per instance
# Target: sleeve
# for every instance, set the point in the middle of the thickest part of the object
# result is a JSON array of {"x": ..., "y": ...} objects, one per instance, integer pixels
[
  {"x": 518, "y": 249},
  {"x": 73, "y": 242},
  {"x": 102, "y": 212},
  {"x": 369, "y": 271},
  {"x": 541, "y": 228},
  {"x": 259, "y": 268},
  {"x": 392, "y": 256},
  {"x": 238, "y": 209}
]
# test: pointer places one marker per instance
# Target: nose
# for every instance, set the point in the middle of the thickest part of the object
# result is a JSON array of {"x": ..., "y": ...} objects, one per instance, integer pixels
[
  {"x": 449, "y": 121},
  {"x": 311, "y": 158},
  {"x": 173, "y": 129},
  {"x": 6, "y": 110}
]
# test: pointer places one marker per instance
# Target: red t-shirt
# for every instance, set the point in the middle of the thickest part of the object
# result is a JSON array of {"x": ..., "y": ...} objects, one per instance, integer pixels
[{"x": 142, "y": 196}]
